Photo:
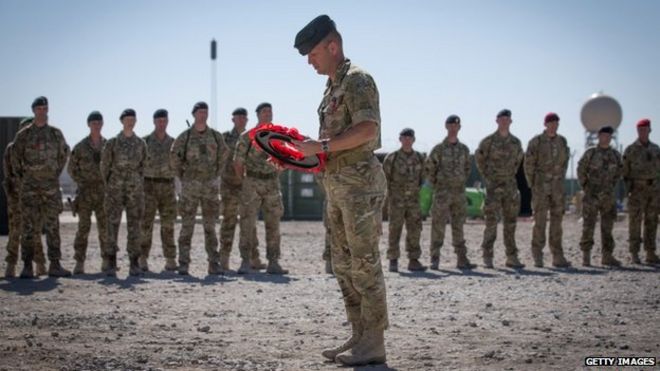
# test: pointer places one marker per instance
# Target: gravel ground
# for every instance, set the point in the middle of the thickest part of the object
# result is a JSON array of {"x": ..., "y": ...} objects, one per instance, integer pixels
[{"x": 500, "y": 319}]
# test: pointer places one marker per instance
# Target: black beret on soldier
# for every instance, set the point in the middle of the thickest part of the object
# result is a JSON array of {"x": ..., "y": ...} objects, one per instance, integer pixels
[
  {"x": 407, "y": 132},
  {"x": 160, "y": 113},
  {"x": 504, "y": 112},
  {"x": 313, "y": 33},
  {"x": 199, "y": 105},
  {"x": 606, "y": 129},
  {"x": 40, "y": 101},
  {"x": 128, "y": 112},
  {"x": 239, "y": 111},
  {"x": 262, "y": 106},
  {"x": 94, "y": 116},
  {"x": 453, "y": 119}
]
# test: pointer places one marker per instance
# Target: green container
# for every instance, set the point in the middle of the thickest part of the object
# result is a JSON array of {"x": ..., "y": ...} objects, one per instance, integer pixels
[
  {"x": 474, "y": 197},
  {"x": 426, "y": 198}
]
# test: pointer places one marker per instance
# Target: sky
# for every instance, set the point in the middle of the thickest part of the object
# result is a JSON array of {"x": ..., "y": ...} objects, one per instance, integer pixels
[{"x": 429, "y": 59}]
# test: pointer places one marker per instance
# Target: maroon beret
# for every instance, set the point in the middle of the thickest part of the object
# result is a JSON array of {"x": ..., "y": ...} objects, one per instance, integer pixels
[
  {"x": 550, "y": 117},
  {"x": 644, "y": 122}
]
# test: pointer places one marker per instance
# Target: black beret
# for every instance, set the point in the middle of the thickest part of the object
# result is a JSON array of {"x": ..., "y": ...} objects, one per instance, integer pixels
[
  {"x": 94, "y": 116},
  {"x": 239, "y": 111},
  {"x": 199, "y": 105},
  {"x": 453, "y": 119},
  {"x": 407, "y": 132},
  {"x": 313, "y": 33},
  {"x": 40, "y": 101},
  {"x": 504, "y": 112},
  {"x": 160, "y": 113},
  {"x": 263, "y": 105},
  {"x": 606, "y": 129},
  {"x": 128, "y": 112}
]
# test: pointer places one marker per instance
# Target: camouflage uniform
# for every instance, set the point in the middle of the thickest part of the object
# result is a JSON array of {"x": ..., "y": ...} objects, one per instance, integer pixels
[
  {"x": 598, "y": 171},
  {"x": 122, "y": 168},
  {"x": 447, "y": 168},
  {"x": 356, "y": 186},
  {"x": 546, "y": 161},
  {"x": 498, "y": 159},
  {"x": 230, "y": 191},
  {"x": 85, "y": 169},
  {"x": 404, "y": 174},
  {"x": 641, "y": 165},
  {"x": 198, "y": 159},
  {"x": 159, "y": 195},
  {"x": 261, "y": 190},
  {"x": 11, "y": 186},
  {"x": 38, "y": 158}
]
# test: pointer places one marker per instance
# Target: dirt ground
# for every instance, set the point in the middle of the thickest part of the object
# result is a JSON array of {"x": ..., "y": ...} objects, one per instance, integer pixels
[{"x": 500, "y": 319}]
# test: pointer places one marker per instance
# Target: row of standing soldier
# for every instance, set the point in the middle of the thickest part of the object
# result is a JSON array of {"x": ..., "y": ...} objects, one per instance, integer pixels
[
  {"x": 138, "y": 175},
  {"x": 498, "y": 158}
]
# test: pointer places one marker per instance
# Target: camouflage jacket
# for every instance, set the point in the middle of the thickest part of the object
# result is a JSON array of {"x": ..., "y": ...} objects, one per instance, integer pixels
[
  {"x": 123, "y": 159},
  {"x": 641, "y": 162},
  {"x": 404, "y": 173},
  {"x": 599, "y": 169},
  {"x": 254, "y": 160},
  {"x": 546, "y": 160},
  {"x": 448, "y": 165},
  {"x": 158, "y": 157},
  {"x": 85, "y": 163},
  {"x": 350, "y": 100},
  {"x": 39, "y": 155},
  {"x": 199, "y": 155},
  {"x": 229, "y": 175},
  {"x": 498, "y": 158},
  {"x": 10, "y": 181}
]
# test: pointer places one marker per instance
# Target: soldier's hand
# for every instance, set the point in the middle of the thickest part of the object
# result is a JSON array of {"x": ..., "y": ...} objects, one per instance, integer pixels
[{"x": 308, "y": 147}]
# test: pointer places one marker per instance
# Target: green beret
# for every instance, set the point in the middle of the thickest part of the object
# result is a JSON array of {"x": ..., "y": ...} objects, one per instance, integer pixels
[
  {"x": 160, "y": 113},
  {"x": 199, "y": 105},
  {"x": 606, "y": 129},
  {"x": 128, "y": 112},
  {"x": 313, "y": 33},
  {"x": 504, "y": 112},
  {"x": 40, "y": 101},
  {"x": 239, "y": 111},
  {"x": 94, "y": 116}
]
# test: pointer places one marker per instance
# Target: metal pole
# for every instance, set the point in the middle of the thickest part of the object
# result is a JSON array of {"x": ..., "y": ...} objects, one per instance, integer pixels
[{"x": 214, "y": 84}]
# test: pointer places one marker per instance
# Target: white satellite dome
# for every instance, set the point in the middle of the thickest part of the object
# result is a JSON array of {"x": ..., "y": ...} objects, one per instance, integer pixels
[{"x": 601, "y": 110}]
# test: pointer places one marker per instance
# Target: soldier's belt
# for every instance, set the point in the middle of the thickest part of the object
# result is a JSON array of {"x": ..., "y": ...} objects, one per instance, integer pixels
[
  {"x": 158, "y": 180},
  {"x": 263, "y": 176},
  {"x": 333, "y": 165}
]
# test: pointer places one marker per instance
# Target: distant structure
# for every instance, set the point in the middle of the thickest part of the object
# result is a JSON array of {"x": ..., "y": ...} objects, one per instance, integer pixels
[
  {"x": 598, "y": 111},
  {"x": 214, "y": 84}
]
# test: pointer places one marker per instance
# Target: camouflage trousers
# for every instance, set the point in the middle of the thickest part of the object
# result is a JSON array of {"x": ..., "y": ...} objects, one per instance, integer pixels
[
  {"x": 544, "y": 201},
  {"x": 15, "y": 229},
  {"x": 593, "y": 204},
  {"x": 404, "y": 209},
  {"x": 328, "y": 236},
  {"x": 159, "y": 196},
  {"x": 264, "y": 195},
  {"x": 642, "y": 201},
  {"x": 40, "y": 209},
  {"x": 196, "y": 193},
  {"x": 89, "y": 199},
  {"x": 120, "y": 196},
  {"x": 231, "y": 202},
  {"x": 501, "y": 199},
  {"x": 355, "y": 198},
  {"x": 449, "y": 206}
]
